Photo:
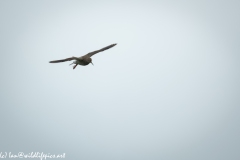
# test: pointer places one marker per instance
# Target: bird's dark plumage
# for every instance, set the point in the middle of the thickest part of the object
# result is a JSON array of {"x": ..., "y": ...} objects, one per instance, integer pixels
[
  {"x": 63, "y": 60},
  {"x": 84, "y": 60},
  {"x": 100, "y": 50}
]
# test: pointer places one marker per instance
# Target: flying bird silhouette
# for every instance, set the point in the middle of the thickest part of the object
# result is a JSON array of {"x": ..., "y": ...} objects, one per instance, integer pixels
[{"x": 84, "y": 60}]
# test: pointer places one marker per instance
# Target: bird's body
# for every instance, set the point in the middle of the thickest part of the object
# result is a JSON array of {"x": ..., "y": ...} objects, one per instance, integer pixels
[{"x": 84, "y": 60}]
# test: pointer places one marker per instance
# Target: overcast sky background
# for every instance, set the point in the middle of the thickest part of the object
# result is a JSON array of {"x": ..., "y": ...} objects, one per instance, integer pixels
[{"x": 168, "y": 91}]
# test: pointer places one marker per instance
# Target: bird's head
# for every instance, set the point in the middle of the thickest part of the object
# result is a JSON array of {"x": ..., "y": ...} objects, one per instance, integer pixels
[{"x": 91, "y": 61}]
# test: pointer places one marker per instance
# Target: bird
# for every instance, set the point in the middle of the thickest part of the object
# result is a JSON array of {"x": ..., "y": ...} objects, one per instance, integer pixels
[{"x": 83, "y": 60}]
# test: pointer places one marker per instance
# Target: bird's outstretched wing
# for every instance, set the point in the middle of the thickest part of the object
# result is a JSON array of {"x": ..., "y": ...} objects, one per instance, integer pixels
[
  {"x": 64, "y": 60},
  {"x": 100, "y": 50}
]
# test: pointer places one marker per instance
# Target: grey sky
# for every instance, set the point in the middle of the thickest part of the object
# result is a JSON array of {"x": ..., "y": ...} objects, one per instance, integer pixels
[{"x": 169, "y": 90}]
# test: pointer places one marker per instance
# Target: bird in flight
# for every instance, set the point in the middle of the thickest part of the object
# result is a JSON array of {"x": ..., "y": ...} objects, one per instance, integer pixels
[{"x": 84, "y": 60}]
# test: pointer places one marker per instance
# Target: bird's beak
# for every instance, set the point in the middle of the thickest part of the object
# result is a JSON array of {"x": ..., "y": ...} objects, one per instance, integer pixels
[{"x": 92, "y": 63}]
